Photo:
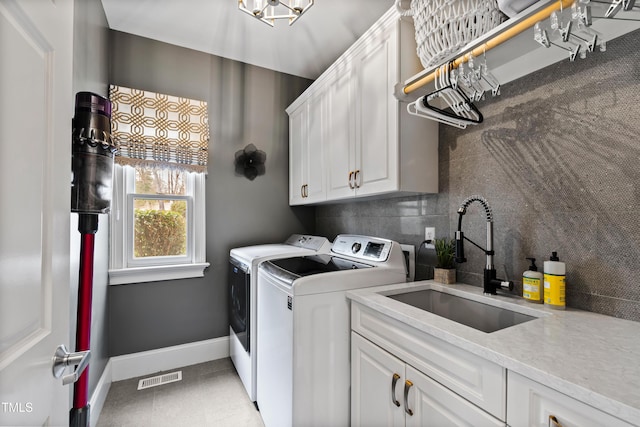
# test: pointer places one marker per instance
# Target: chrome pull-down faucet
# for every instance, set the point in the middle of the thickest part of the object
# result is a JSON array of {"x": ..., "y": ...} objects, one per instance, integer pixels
[{"x": 491, "y": 283}]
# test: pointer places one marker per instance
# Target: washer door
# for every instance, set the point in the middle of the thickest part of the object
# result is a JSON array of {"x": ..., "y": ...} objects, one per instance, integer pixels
[{"x": 239, "y": 297}]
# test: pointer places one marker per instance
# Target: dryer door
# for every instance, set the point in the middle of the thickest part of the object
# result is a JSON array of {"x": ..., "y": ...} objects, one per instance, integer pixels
[{"x": 239, "y": 299}]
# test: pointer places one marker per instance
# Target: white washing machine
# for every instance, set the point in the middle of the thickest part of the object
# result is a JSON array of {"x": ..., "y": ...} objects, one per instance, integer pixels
[
  {"x": 243, "y": 265},
  {"x": 304, "y": 328}
]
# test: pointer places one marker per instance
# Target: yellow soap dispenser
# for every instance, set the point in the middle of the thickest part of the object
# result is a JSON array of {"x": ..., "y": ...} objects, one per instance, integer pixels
[
  {"x": 532, "y": 285},
  {"x": 554, "y": 282}
]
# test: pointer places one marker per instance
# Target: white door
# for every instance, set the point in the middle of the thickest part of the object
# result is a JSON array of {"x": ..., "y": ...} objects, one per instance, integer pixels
[
  {"x": 377, "y": 117},
  {"x": 298, "y": 135},
  {"x": 36, "y": 107},
  {"x": 340, "y": 140},
  {"x": 314, "y": 162},
  {"x": 377, "y": 381}
]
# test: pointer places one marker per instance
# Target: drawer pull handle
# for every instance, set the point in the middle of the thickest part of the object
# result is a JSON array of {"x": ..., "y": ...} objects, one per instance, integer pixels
[
  {"x": 553, "y": 421},
  {"x": 407, "y": 385},
  {"x": 396, "y": 377}
]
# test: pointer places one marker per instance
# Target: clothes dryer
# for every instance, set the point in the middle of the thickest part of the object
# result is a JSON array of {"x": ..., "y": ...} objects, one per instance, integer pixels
[{"x": 242, "y": 278}]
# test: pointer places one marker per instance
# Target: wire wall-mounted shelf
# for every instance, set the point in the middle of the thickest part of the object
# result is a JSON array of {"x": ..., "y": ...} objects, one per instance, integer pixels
[{"x": 537, "y": 37}]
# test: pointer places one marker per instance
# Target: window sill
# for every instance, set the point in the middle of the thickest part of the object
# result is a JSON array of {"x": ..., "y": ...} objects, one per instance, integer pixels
[{"x": 156, "y": 273}]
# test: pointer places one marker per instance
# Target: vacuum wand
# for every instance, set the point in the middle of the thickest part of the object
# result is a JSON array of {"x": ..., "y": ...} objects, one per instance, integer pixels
[{"x": 92, "y": 168}]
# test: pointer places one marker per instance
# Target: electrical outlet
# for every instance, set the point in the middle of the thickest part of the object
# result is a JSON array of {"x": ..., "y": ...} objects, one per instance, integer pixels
[{"x": 429, "y": 233}]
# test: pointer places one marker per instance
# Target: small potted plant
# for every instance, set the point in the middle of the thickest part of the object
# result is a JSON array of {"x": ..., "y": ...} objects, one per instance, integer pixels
[{"x": 444, "y": 271}]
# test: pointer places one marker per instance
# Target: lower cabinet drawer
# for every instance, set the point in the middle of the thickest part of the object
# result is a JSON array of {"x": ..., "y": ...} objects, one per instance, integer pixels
[{"x": 531, "y": 404}]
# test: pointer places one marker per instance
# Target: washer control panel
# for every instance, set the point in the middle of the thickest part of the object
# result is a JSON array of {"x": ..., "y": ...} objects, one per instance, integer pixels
[{"x": 363, "y": 247}]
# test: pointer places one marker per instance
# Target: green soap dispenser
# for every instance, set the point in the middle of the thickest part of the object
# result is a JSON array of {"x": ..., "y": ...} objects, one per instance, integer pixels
[{"x": 532, "y": 284}]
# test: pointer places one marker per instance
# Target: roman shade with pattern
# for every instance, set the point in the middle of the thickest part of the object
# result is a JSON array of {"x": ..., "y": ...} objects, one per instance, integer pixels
[{"x": 157, "y": 130}]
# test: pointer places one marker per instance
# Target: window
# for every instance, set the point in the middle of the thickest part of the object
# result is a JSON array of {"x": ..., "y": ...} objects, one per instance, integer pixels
[
  {"x": 154, "y": 217},
  {"x": 158, "y": 207},
  {"x": 160, "y": 211}
]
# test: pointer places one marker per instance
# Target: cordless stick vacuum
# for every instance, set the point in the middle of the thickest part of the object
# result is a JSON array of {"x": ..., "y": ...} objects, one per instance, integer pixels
[{"x": 92, "y": 167}]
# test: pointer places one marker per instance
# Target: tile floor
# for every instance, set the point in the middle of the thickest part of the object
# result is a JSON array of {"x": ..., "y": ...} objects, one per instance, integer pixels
[{"x": 210, "y": 394}]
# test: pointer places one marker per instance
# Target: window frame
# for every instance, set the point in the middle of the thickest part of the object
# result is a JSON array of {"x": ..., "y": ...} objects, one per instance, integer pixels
[{"x": 123, "y": 267}]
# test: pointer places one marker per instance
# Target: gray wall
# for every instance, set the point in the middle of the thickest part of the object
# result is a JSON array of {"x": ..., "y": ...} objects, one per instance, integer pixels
[
  {"x": 90, "y": 38},
  {"x": 246, "y": 105},
  {"x": 557, "y": 159}
]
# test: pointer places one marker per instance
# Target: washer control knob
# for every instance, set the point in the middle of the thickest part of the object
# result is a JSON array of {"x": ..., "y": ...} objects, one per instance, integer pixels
[{"x": 355, "y": 248}]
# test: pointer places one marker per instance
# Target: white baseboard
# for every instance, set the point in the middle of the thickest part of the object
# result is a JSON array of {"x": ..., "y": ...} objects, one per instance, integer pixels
[
  {"x": 148, "y": 362},
  {"x": 133, "y": 365},
  {"x": 99, "y": 395}
]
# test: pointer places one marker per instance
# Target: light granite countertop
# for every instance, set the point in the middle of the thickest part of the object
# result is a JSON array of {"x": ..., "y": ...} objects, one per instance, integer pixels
[{"x": 590, "y": 357}]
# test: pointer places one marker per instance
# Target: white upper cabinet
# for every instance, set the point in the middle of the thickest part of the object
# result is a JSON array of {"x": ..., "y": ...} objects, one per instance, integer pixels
[
  {"x": 370, "y": 145},
  {"x": 307, "y": 182},
  {"x": 376, "y": 121},
  {"x": 340, "y": 144},
  {"x": 298, "y": 132}
]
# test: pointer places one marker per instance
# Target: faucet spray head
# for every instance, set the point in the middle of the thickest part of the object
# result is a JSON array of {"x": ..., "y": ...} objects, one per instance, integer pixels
[
  {"x": 459, "y": 255},
  {"x": 476, "y": 198}
]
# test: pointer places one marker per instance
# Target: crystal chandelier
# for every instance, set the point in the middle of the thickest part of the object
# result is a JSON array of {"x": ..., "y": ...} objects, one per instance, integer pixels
[{"x": 269, "y": 10}]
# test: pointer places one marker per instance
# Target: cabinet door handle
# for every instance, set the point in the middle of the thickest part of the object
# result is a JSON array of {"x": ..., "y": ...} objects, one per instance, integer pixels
[
  {"x": 407, "y": 385},
  {"x": 396, "y": 377},
  {"x": 553, "y": 421},
  {"x": 356, "y": 178},
  {"x": 306, "y": 190},
  {"x": 351, "y": 180},
  {"x": 302, "y": 191}
]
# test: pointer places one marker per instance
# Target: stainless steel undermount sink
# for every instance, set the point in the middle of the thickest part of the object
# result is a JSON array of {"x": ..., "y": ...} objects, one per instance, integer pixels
[{"x": 483, "y": 317}]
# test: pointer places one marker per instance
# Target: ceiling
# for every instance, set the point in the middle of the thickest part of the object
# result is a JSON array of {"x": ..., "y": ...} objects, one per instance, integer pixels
[{"x": 305, "y": 49}]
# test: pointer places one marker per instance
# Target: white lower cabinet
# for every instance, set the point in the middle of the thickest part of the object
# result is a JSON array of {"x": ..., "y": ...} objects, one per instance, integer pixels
[
  {"x": 531, "y": 404},
  {"x": 377, "y": 379},
  {"x": 403, "y": 376},
  {"x": 385, "y": 391}
]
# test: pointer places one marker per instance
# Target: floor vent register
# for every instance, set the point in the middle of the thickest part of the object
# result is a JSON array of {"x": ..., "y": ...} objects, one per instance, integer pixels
[{"x": 159, "y": 380}]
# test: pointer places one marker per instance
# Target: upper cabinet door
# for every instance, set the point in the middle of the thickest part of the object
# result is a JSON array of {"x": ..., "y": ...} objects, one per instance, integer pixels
[
  {"x": 307, "y": 183},
  {"x": 298, "y": 136},
  {"x": 315, "y": 190},
  {"x": 377, "y": 115},
  {"x": 340, "y": 140}
]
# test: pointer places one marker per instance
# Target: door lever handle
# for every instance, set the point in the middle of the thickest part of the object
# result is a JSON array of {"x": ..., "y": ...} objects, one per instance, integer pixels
[{"x": 62, "y": 358}]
